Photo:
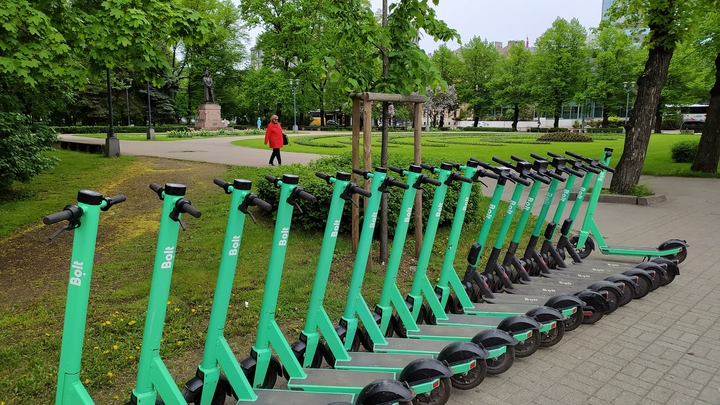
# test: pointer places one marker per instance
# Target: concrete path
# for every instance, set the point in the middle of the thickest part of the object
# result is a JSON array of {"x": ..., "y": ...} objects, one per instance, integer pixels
[
  {"x": 214, "y": 150},
  {"x": 663, "y": 349}
]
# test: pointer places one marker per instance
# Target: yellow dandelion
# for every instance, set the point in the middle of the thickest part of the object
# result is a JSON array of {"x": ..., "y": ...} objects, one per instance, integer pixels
[
  {"x": 47, "y": 334},
  {"x": 131, "y": 323},
  {"x": 110, "y": 374},
  {"x": 179, "y": 343},
  {"x": 106, "y": 351},
  {"x": 192, "y": 310},
  {"x": 116, "y": 397},
  {"x": 168, "y": 303},
  {"x": 96, "y": 347},
  {"x": 177, "y": 309},
  {"x": 115, "y": 347},
  {"x": 87, "y": 381}
]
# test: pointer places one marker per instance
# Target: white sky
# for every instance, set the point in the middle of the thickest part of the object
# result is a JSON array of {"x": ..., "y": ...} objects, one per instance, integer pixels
[{"x": 504, "y": 20}]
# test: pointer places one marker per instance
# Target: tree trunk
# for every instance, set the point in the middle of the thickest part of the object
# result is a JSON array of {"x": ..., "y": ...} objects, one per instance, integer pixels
[
  {"x": 384, "y": 146},
  {"x": 477, "y": 120},
  {"x": 606, "y": 118},
  {"x": 658, "y": 118},
  {"x": 708, "y": 153},
  {"x": 556, "y": 123},
  {"x": 639, "y": 125},
  {"x": 442, "y": 119},
  {"x": 516, "y": 117}
]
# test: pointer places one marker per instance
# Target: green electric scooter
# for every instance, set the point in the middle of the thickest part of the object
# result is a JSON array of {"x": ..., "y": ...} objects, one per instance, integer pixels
[
  {"x": 420, "y": 372},
  {"x": 220, "y": 374},
  {"x": 82, "y": 218}
]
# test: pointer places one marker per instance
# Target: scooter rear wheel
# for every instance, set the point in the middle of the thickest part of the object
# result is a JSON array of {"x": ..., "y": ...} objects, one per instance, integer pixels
[
  {"x": 438, "y": 396},
  {"x": 574, "y": 321},
  {"x": 529, "y": 346},
  {"x": 193, "y": 398},
  {"x": 471, "y": 379},
  {"x": 453, "y": 305},
  {"x": 367, "y": 341},
  {"x": 596, "y": 316},
  {"x": 555, "y": 335},
  {"x": 501, "y": 363}
]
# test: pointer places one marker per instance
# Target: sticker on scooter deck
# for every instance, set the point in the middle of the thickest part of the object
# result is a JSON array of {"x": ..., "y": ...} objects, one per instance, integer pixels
[
  {"x": 352, "y": 381},
  {"x": 422, "y": 346},
  {"x": 479, "y": 320},
  {"x": 518, "y": 299},
  {"x": 280, "y": 397},
  {"x": 386, "y": 361},
  {"x": 510, "y": 309}
]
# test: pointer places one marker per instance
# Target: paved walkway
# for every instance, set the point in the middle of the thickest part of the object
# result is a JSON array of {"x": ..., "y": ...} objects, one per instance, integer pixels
[{"x": 663, "y": 349}]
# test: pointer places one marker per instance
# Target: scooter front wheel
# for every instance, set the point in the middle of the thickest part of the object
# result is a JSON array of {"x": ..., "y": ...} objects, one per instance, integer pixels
[
  {"x": 555, "y": 335},
  {"x": 502, "y": 363},
  {"x": 471, "y": 379},
  {"x": 438, "y": 396},
  {"x": 529, "y": 346},
  {"x": 574, "y": 321},
  {"x": 586, "y": 249},
  {"x": 193, "y": 398}
]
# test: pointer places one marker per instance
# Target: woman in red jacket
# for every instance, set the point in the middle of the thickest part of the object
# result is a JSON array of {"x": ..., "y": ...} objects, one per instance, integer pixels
[{"x": 274, "y": 135}]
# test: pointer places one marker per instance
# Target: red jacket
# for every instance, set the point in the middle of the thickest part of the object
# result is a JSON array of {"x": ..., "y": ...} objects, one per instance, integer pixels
[{"x": 273, "y": 135}]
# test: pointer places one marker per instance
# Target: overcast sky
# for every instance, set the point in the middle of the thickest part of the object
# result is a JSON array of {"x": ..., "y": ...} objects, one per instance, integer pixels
[{"x": 506, "y": 20}]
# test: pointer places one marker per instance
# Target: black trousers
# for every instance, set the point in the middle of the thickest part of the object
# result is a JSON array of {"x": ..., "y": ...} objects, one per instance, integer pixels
[{"x": 275, "y": 154}]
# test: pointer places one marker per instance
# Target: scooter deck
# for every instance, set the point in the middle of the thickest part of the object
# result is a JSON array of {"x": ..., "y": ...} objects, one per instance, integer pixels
[
  {"x": 510, "y": 309},
  {"x": 344, "y": 381},
  {"x": 284, "y": 397},
  {"x": 447, "y": 332},
  {"x": 519, "y": 298},
  {"x": 597, "y": 266},
  {"x": 385, "y": 361},
  {"x": 479, "y": 320},
  {"x": 419, "y": 346}
]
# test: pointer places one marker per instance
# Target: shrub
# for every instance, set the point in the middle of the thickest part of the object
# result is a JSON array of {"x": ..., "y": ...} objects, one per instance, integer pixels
[
  {"x": 565, "y": 137},
  {"x": 603, "y": 130},
  {"x": 684, "y": 151},
  {"x": 547, "y": 129},
  {"x": 100, "y": 129},
  {"x": 486, "y": 129},
  {"x": 615, "y": 122},
  {"x": 315, "y": 214},
  {"x": 21, "y": 151}
]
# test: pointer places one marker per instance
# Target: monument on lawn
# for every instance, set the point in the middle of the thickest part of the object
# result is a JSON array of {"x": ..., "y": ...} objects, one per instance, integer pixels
[{"x": 209, "y": 112}]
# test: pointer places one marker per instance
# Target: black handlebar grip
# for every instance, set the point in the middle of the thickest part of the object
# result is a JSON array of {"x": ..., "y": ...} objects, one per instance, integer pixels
[
  {"x": 262, "y": 204},
  {"x": 362, "y": 192},
  {"x": 190, "y": 210},
  {"x": 430, "y": 180},
  {"x": 554, "y": 175},
  {"x": 220, "y": 183},
  {"x": 307, "y": 196},
  {"x": 518, "y": 179},
  {"x": 591, "y": 169},
  {"x": 491, "y": 175},
  {"x": 427, "y": 167},
  {"x": 605, "y": 167},
  {"x": 360, "y": 172},
  {"x": 396, "y": 169},
  {"x": 573, "y": 172},
  {"x": 63, "y": 215},
  {"x": 541, "y": 179},
  {"x": 462, "y": 178},
  {"x": 535, "y": 156},
  {"x": 397, "y": 183},
  {"x": 503, "y": 162},
  {"x": 323, "y": 176},
  {"x": 155, "y": 187},
  {"x": 555, "y": 155},
  {"x": 575, "y": 155},
  {"x": 517, "y": 158},
  {"x": 116, "y": 199},
  {"x": 270, "y": 178},
  {"x": 485, "y": 165}
]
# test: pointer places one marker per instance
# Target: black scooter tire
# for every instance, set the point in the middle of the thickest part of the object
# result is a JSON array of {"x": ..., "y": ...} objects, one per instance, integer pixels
[
  {"x": 366, "y": 340},
  {"x": 586, "y": 249},
  {"x": 574, "y": 321},
  {"x": 472, "y": 378},
  {"x": 438, "y": 396},
  {"x": 453, "y": 305},
  {"x": 550, "y": 339},
  {"x": 502, "y": 363},
  {"x": 193, "y": 398},
  {"x": 529, "y": 346},
  {"x": 596, "y": 316}
]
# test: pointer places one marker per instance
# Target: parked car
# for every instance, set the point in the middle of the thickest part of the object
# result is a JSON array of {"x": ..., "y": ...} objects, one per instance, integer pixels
[
  {"x": 483, "y": 124},
  {"x": 331, "y": 122}
]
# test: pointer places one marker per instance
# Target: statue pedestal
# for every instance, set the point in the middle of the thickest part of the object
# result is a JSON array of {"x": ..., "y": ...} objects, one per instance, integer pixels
[{"x": 209, "y": 117}]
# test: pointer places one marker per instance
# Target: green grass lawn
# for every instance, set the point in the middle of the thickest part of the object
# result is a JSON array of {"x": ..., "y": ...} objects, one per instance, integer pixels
[{"x": 459, "y": 146}]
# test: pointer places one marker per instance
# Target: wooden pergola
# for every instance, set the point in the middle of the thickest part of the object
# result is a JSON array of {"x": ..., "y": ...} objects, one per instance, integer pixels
[{"x": 367, "y": 99}]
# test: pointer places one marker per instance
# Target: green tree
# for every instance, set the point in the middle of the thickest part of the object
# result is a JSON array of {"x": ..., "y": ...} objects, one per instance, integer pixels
[
  {"x": 708, "y": 156},
  {"x": 614, "y": 60},
  {"x": 668, "y": 21},
  {"x": 478, "y": 59},
  {"x": 559, "y": 65},
  {"x": 447, "y": 62},
  {"x": 511, "y": 83}
]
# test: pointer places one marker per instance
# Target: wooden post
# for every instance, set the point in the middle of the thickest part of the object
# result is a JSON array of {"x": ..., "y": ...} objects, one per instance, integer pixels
[
  {"x": 367, "y": 151},
  {"x": 356, "y": 164},
  {"x": 417, "y": 159}
]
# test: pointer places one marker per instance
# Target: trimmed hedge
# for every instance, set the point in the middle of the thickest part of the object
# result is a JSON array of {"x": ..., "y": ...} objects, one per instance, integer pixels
[
  {"x": 100, "y": 129},
  {"x": 314, "y": 215},
  {"x": 547, "y": 129},
  {"x": 684, "y": 151},
  {"x": 565, "y": 137},
  {"x": 486, "y": 129},
  {"x": 603, "y": 130}
]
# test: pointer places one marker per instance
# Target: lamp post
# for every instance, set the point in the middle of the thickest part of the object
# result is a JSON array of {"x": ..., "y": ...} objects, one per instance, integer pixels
[
  {"x": 294, "y": 85},
  {"x": 150, "y": 131},
  {"x": 127, "y": 100},
  {"x": 112, "y": 144},
  {"x": 628, "y": 87}
]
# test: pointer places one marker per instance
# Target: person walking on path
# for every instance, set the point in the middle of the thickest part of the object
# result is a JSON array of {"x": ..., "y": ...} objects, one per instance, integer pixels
[{"x": 274, "y": 136}]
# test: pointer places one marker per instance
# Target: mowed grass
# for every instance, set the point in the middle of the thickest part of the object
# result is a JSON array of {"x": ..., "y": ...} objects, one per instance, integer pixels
[
  {"x": 32, "y": 327},
  {"x": 459, "y": 146}
]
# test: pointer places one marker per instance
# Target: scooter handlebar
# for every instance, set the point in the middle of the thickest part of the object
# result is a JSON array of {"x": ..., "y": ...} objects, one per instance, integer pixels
[
  {"x": 363, "y": 173},
  {"x": 190, "y": 210},
  {"x": 503, "y": 162},
  {"x": 396, "y": 183},
  {"x": 555, "y": 155},
  {"x": 573, "y": 171},
  {"x": 518, "y": 179},
  {"x": 576, "y": 156},
  {"x": 554, "y": 175},
  {"x": 63, "y": 215},
  {"x": 306, "y": 196},
  {"x": 429, "y": 168},
  {"x": 518, "y": 158},
  {"x": 271, "y": 178},
  {"x": 590, "y": 169},
  {"x": 362, "y": 192},
  {"x": 397, "y": 170},
  {"x": 490, "y": 175},
  {"x": 606, "y": 167},
  {"x": 460, "y": 177},
  {"x": 155, "y": 187},
  {"x": 430, "y": 180},
  {"x": 536, "y": 156},
  {"x": 262, "y": 204},
  {"x": 323, "y": 176},
  {"x": 220, "y": 183},
  {"x": 538, "y": 177}
]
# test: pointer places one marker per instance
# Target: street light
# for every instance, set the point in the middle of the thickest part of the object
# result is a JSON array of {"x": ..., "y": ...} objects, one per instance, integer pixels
[
  {"x": 127, "y": 100},
  {"x": 628, "y": 87},
  {"x": 294, "y": 88}
]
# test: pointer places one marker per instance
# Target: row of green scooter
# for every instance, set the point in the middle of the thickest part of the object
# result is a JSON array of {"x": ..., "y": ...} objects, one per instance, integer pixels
[{"x": 450, "y": 334}]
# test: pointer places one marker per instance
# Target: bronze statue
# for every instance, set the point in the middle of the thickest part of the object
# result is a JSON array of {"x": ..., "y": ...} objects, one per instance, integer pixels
[{"x": 207, "y": 84}]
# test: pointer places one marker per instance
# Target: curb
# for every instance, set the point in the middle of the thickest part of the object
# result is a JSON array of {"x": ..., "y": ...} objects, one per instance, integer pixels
[{"x": 625, "y": 199}]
